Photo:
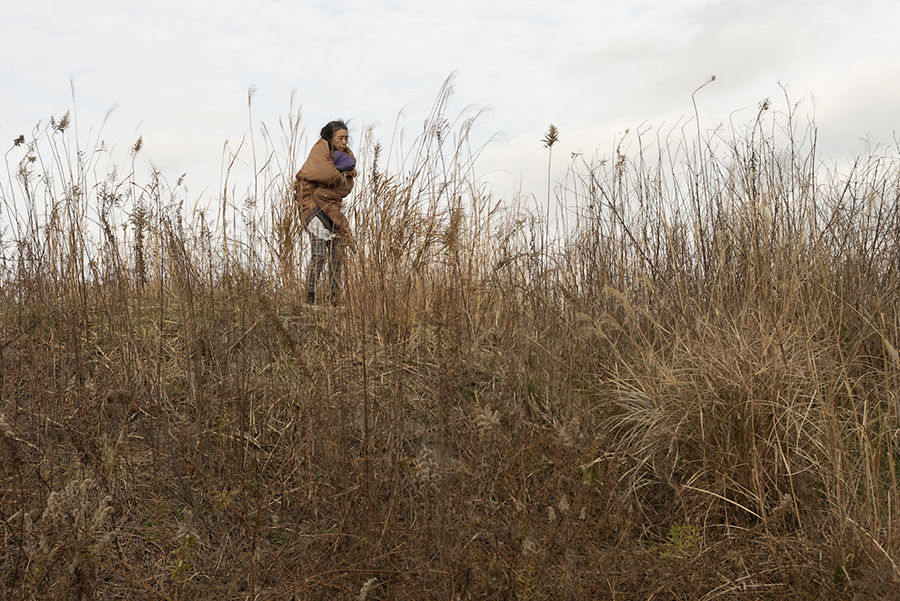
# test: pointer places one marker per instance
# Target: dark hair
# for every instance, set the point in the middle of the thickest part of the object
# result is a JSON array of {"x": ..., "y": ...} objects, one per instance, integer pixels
[{"x": 328, "y": 131}]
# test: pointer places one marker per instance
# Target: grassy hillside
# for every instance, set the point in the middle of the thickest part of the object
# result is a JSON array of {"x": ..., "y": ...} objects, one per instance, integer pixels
[{"x": 679, "y": 380}]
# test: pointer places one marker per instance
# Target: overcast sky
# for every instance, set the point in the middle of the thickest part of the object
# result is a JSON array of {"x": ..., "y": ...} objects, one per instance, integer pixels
[{"x": 178, "y": 71}]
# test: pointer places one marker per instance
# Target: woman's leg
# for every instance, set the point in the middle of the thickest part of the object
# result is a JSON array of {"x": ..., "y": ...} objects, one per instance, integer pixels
[
  {"x": 319, "y": 251},
  {"x": 335, "y": 261}
]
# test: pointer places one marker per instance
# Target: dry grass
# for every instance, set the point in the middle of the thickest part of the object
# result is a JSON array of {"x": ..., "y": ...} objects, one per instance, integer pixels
[{"x": 690, "y": 395}]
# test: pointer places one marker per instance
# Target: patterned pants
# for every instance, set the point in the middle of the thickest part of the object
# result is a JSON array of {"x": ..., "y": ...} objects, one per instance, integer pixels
[{"x": 324, "y": 252}]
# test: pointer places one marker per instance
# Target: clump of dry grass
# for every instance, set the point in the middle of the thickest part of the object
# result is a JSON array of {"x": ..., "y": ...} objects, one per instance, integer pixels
[{"x": 692, "y": 395}]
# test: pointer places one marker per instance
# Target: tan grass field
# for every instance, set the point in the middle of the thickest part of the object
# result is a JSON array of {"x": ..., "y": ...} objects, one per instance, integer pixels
[{"x": 686, "y": 387}]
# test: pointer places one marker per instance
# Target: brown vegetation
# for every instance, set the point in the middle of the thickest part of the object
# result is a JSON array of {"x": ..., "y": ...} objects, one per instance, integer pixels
[{"x": 686, "y": 387}]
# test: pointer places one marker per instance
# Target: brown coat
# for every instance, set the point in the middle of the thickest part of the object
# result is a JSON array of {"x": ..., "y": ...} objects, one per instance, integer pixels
[{"x": 319, "y": 186}]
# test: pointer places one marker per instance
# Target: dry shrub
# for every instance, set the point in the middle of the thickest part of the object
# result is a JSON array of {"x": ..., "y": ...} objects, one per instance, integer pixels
[{"x": 690, "y": 394}]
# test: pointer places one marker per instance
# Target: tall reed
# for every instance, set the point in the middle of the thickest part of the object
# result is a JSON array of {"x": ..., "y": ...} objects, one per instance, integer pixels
[{"x": 691, "y": 394}]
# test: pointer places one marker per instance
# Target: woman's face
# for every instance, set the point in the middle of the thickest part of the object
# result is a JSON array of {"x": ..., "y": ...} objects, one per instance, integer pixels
[{"x": 340, "y": 139}]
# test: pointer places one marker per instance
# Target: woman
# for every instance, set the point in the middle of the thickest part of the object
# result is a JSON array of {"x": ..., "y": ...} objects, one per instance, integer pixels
[{"x": 323, "y": 182}]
